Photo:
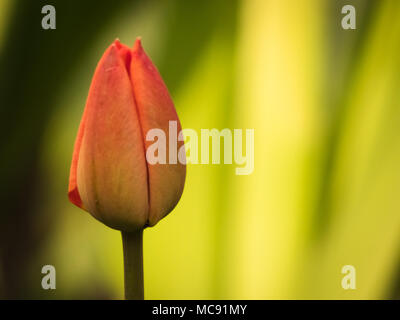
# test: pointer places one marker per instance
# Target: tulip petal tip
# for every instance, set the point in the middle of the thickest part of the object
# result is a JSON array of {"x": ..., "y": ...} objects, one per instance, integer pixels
[{"x": 138, "y": 44}]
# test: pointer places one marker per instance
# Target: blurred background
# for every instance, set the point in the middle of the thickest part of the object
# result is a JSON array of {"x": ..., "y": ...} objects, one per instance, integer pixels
[{"x": 325, "y": 106}]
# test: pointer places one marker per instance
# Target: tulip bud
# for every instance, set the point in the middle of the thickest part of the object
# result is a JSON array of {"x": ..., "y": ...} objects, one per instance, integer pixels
[{"x": 110, "y": 177}]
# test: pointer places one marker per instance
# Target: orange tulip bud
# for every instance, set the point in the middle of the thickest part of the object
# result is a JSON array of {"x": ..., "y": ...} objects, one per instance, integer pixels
[{"x": 110, "y": 177}]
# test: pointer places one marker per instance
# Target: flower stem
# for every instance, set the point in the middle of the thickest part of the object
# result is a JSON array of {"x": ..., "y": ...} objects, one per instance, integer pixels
[{"x": 133, "y": 264}]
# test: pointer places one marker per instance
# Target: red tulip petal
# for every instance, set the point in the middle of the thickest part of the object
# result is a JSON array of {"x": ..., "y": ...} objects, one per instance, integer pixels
[
  {"x": 125, "y": 53},
  {"x": 73, "y": 193},
  {"x": 156, "y": 109},
  {"x": 111, "y": 169}
]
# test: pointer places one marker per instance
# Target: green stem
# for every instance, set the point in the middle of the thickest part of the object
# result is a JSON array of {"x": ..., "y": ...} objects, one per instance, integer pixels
[{"x": 133, "y": 264}]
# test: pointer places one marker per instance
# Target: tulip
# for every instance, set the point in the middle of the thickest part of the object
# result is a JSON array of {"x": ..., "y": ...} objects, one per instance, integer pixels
[{"x": 110, "y": 177}]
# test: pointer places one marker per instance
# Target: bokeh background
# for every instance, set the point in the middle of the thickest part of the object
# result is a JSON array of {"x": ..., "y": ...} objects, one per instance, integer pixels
[{"x": 325, "y": 106}]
